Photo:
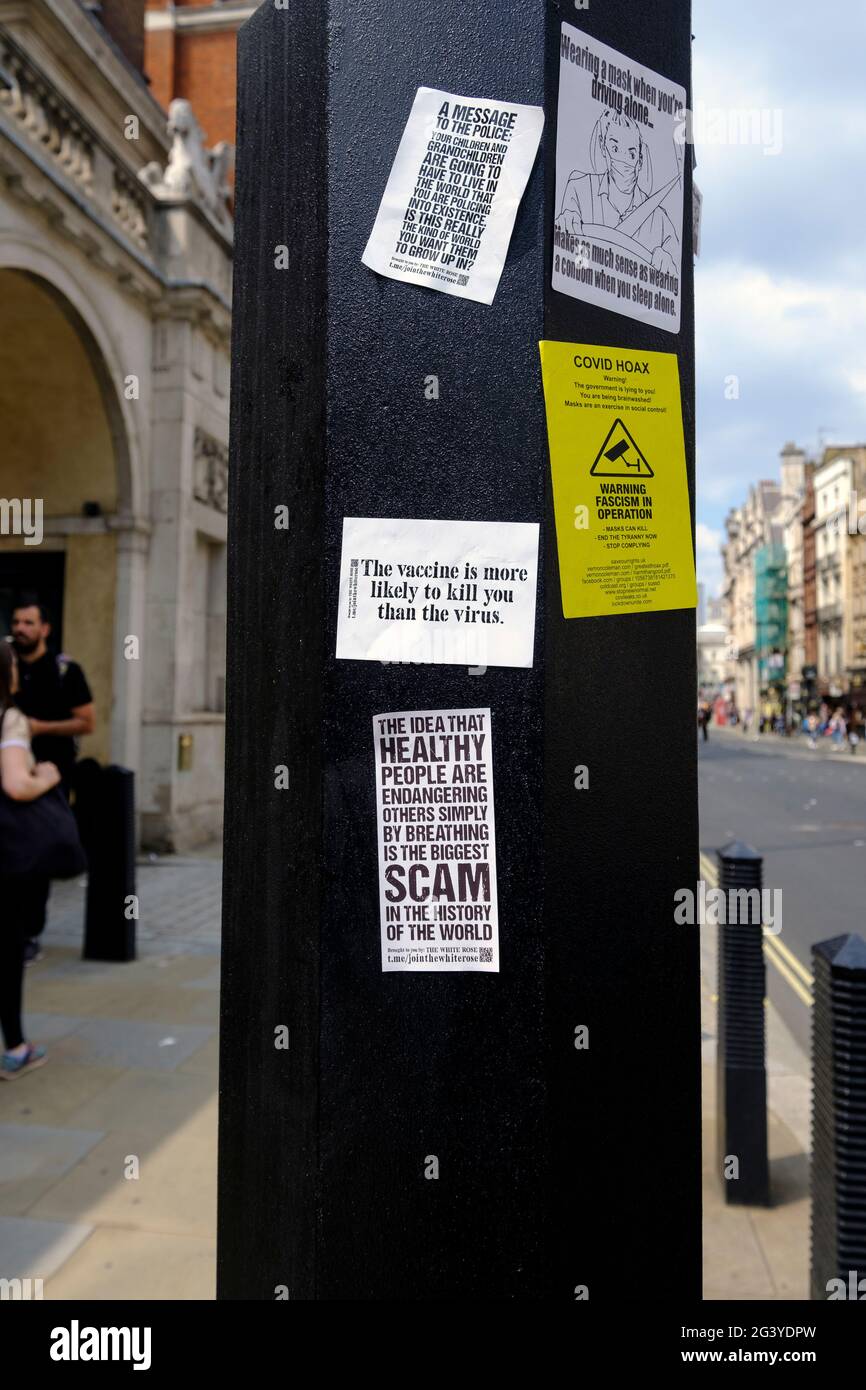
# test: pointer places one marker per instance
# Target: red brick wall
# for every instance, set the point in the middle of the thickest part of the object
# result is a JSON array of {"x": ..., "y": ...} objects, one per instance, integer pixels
[
  {"x": 124, "y": 21},
  {"x": 205, "y": 75},
  {"x": 159, "y": 63},
  {"x": 199, "y": 66}
]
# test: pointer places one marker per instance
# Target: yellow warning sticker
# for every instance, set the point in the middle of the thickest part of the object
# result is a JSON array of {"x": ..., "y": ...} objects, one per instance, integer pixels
[{"x": 620, "y": 489}]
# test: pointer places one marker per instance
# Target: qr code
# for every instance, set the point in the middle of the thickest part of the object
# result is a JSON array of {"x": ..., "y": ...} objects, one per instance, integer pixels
[
  {"x": 485, "y": 955},
  {"x": 463, "y": 279}
]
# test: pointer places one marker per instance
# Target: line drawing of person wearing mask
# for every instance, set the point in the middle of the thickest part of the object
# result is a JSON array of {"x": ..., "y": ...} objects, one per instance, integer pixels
[{"x": 616, "y": 202}]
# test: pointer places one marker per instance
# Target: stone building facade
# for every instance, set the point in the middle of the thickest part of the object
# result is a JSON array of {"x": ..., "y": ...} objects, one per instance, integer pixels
[
  {"x": 855, "y": 593},
  {"x": 796, "y": 472},
  {"x": 833, "y": 480},
  {"x": 115, "y": 285},
  {"x": 810, "y": 589},
  {"x": 713, "y": 654}
]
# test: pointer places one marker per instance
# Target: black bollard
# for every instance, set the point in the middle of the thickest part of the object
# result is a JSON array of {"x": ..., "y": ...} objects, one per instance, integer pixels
[
  {"x": 838, "y": 1268},
  {"x": 105, "y": 811},
  {"x": 741, "y": 1094}
]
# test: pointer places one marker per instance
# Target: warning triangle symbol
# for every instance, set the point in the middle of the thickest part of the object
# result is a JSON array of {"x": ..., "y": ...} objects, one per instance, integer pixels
[{"x": 619, "y": 456}]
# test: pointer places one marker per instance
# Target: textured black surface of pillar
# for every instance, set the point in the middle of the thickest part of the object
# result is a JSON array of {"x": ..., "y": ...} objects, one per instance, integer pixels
[
  {"x": 741, "y": 1075},
  {"x": 839, "y": 1116},
  {"x": 558, "y": 1167}
]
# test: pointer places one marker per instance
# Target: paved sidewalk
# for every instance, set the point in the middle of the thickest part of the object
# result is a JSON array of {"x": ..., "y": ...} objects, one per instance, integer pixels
[
  {"x": 756, "y": 1252},
  {"x": 794, "y": 746},
  {"x": 108, "y": 1153},
  {"x": 131, "y": 1088}
]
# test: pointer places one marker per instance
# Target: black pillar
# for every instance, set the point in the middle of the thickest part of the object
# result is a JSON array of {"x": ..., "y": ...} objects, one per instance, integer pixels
[
  {"x": 741, "y": 1073},
  {"x": 105, "y": 811},
  {"x": 558, "y": 1167},
  {"x": 838, "y": 1263}
]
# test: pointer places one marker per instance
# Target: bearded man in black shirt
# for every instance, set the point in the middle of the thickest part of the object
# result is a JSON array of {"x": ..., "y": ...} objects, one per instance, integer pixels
[{"x": 54, "y": 694}]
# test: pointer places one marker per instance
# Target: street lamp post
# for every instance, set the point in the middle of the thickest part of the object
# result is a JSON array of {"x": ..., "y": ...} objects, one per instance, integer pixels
[{"x": 533, "y": 1132}]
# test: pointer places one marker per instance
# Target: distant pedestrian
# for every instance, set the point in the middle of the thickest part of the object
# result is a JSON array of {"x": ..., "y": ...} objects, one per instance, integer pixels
[
  {"x": 54, "y": 694},
  {"x": 812, "y": 729},
  {"x": 837, "y": 729},
  {"x": 704, "y": 715},
  {"x": 22, "y": 779}
]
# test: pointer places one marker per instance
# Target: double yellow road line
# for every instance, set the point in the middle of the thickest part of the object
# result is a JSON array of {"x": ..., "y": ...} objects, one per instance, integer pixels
[{"x": 777, "y": 953}]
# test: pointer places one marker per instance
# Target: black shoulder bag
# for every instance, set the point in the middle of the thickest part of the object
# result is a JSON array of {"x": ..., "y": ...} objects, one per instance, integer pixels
[{"x": 40, "y": 837}]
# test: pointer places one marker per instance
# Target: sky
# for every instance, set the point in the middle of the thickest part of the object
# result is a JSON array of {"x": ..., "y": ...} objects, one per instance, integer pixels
[{"x": 780, "y": 284}]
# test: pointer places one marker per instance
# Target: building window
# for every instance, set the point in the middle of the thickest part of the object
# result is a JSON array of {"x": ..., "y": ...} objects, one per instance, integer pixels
[{"x": 209, "y": 626}]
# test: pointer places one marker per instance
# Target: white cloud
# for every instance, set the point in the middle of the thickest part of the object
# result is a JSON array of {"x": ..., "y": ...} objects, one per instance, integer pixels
[
  {"x": 745, "y": 316},
  {"x": 797, "y": 352},
  {"x": 780, "y": 295},
  {"x": 707, "y": 540},
  {"x": 709, "y": 559}
]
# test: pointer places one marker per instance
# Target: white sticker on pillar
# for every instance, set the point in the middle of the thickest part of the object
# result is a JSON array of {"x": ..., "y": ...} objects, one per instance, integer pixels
[
  {"x": 448, "y": 209},
  {"x": 438, "y": 592},
  {"x": 620, "y": 144},
  {"x": 437, "y": 840}
]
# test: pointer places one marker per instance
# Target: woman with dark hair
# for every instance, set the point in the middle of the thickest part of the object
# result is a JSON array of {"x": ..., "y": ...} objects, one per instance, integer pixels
[{"x": 21, "y": 779}]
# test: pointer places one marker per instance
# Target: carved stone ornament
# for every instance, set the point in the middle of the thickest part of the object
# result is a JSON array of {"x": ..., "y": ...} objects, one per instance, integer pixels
[
  {"x": 210, "y": 471},
  {"x": 192, "y": 172}
]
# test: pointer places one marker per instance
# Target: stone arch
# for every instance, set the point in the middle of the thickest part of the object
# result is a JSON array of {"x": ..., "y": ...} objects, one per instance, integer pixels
[
  {"x": 55, "y": 278},
  {"x": 104, "y": 563}
]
